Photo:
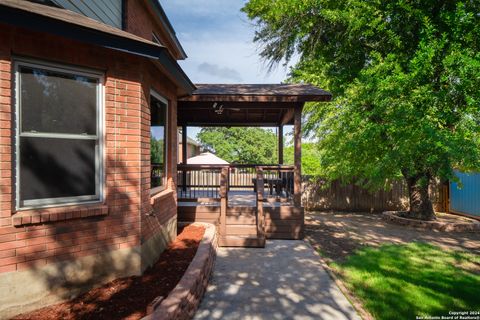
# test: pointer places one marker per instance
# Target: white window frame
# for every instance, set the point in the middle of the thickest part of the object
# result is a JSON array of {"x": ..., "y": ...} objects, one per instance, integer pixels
[
  {"x": 162, "y": 99},
  {"x": 99, "y": 150}
]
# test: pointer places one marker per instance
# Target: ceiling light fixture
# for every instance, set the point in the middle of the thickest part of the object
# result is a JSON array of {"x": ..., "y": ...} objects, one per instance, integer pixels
[{"x": 218, "y": 109}]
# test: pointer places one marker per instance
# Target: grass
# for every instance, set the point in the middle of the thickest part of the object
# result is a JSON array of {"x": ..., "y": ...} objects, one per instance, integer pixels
[{"x": 405, "y": 281}]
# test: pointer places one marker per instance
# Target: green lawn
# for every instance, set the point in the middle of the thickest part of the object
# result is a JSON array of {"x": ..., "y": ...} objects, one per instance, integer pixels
[{"x": 403, "y": 281}]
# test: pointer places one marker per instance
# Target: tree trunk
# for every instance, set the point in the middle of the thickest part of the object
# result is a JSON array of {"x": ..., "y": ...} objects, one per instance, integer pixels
[{"x": 420, "y": 204}]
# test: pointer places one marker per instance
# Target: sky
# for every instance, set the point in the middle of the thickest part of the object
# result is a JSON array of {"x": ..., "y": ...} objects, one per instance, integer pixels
[{"x": 218, "y": 40}]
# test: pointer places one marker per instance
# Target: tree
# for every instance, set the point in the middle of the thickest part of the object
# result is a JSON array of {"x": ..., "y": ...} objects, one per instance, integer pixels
[
  {"x": 310, "y": 158},
  {"x": 405, "y": 75},
  {"x": 240, "y": 145},
  {"x": 156, "y": 150}
]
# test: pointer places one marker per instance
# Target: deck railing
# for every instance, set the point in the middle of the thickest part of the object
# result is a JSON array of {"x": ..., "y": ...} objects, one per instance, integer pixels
[
  {"x": 199, "y": 181},
  {"x": 157, "y": 173},
  {"x": 241, "y": 177},
  {"x": 260, "y": 215},
  {"x": 278, "y": 181},
  {"x": 203, "y": 181}
]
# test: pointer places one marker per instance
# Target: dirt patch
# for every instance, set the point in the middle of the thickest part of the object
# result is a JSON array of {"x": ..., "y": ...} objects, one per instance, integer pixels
[
  {"x": 337, "y": 235},
  {"x": 331, "y": 241},
  {"x": 127, "y": 298}
]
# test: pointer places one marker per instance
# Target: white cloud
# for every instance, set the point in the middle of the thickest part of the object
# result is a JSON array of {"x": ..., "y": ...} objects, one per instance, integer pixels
[
  {"x": 217, "y": 33},
  {"x": 233, "y": 54},
  {"x": 217, "y": 71}
]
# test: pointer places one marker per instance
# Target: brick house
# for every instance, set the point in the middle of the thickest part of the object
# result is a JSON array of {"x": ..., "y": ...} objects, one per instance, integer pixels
[
  {"x": 91, "y": 96},
  {"x": 81, "y": 93},
  {"x": 193, "y": 148}
]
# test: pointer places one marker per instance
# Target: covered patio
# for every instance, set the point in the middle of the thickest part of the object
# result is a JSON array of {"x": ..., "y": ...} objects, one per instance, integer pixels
[{"x": 248, "y": 202}]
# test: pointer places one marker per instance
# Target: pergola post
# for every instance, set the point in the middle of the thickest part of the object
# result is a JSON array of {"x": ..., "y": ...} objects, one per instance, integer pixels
[
  {"x": 297, "y": 142},
  {"x": 280, "y": 144},
  {"x": 184, "y": 156}
]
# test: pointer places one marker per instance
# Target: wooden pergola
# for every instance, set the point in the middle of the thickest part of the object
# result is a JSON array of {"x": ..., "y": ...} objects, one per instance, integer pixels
[
  {"x": 247, "y": 105},
  {"x": 260, "y": 214}
]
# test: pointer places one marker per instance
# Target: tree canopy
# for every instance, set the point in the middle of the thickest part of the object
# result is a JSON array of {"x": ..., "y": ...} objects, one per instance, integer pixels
[
  {"x": 405, "y": 75},
  {"x": 241, "y": 145},
  {"x": 310, "y": 158},
  {"x": 156, "y": 150}
]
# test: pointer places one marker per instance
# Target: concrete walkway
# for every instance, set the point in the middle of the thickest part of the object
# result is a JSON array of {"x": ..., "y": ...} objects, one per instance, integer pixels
[{"x": 282, "y": 281}]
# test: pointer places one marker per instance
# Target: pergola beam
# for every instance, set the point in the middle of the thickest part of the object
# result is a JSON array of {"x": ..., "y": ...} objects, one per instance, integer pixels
[
  {"x": 184, "y": 144},
  {"x": 287, "y": 116},
  {"x": 280, "y": 144},
  {"x": 254, "y": 105},
  {"x": 230, "y": 124},
  {"x": 184, "y": 156},
  {"x": 297, "y": 145}
]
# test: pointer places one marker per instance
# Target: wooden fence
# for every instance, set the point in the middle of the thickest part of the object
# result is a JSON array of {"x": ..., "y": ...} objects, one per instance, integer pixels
[{"x": 354, "y": 198}]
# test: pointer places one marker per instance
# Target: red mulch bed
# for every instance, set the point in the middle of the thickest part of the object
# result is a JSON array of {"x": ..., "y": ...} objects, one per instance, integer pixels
[{"x": 128, "y": 298}]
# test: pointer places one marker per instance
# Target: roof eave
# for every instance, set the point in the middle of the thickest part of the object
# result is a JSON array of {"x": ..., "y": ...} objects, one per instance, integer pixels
[
  {"x": 168, "y": 27},
  {"x": 258, "y": 98},
  {"x": 37, "y": 22}
]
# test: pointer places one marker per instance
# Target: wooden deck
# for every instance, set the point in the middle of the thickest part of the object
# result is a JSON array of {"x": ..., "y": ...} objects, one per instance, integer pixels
[
  {"x": 282, "y": 220},
  {"x": 248, "y": 105},
  {"x": 237, "y": 199},
  {"x": 248, "y": 203}
]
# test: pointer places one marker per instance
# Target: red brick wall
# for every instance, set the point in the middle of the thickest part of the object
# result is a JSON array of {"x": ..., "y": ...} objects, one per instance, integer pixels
[
  {"x": 160, "y": 208},
  {"x": 34, "y": 238},
  {"x": 8, "y": 239},
  {"x": 157, "y": 210},
  {"x": 142, "y": 22},
  {"x": 192, "y": 151}
]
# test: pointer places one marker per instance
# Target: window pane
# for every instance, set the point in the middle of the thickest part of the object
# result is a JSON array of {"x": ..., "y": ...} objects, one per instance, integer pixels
[
  {"x": 158, "y": 111},
  {"x": 57, "y": 103},
  {"x": 52, "y": 168}
]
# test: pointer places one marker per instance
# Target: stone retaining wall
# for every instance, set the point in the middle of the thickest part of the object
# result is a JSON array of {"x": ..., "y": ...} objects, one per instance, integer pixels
[
  {"x": 393, "y": 217},
  {"x": 183, "y": 301}
]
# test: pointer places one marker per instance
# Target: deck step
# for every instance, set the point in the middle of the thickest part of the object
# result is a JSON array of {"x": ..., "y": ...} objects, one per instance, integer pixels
[
  {"x": 232, "y": 210},
  {"x": 242, "y": 229},
  {"x": 241, "y": 241},
  {"x": 241, "y": 219}
]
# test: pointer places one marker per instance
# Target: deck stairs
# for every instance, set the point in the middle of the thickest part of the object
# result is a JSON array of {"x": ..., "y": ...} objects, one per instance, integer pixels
[
  {"x": 243, "y": 218},
  {"x": 280, "y": 221},
  {"x": 241, "y": 228}
]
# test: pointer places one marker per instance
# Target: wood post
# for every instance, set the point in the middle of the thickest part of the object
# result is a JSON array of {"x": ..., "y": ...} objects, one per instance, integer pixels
[
  {"x": 184, "y": 156},
  {"x": 280, "y": 144},
  {"x": 297, "y": 141},
  {"x": 260, "y": 213},
  {"x": 223, "y": 201},
  {"x": 445, "y": 191}
]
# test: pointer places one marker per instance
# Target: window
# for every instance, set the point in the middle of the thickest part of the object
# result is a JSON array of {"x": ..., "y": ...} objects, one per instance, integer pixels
[
  {"x": 158, "y": 147},
  {"x": 58, "y": 135}
]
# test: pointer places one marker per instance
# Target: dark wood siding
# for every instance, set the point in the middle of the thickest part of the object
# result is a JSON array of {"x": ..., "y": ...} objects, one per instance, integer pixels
[{"x": 106, "y": 11}]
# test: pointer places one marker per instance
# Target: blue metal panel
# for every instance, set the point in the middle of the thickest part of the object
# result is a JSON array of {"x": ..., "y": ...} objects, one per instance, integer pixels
[
  {"x": 107, "y": 11},
  {"x": 466, "y": 199}
]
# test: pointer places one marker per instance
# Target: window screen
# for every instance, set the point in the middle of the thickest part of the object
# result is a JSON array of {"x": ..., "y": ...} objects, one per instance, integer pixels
[
  {"x": 158, "y": 125},
  {"x": 58, "y": 103},
  {"x": 57, "y": 135}
]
